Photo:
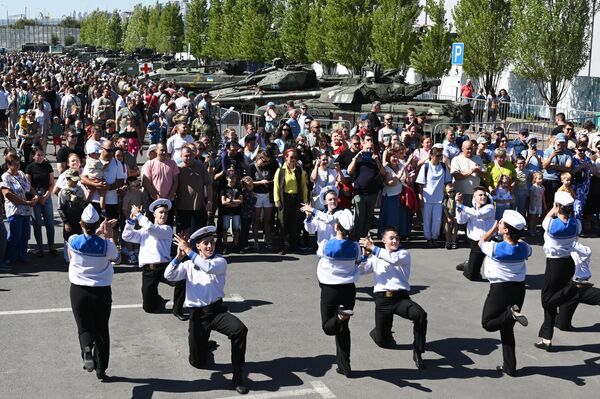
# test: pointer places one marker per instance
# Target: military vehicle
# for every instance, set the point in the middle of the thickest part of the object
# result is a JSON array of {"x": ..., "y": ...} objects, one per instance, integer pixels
[
  {"x": 191, "y": 75},
  {"x": 347, "y": 100}
]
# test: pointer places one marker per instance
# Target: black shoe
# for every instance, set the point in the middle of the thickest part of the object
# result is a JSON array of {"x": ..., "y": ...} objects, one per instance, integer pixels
[
  {"x": 581, "y": 283},
  {"x": 345, "y": 312},
  {"x": 418, "y": 360},
  {"x": 181, "y": 316},
  {"x": 542, "y": 345},
  {"x": 88, "y": 360},
  {"x": 347, "y": 373},
  {"x": 53, "y": 252},
  {"x": 101, "y": 375},
  {"x": 503, "y": 371},
  {"x": 239, "y": 384},
  {"x": 460, "y": 267},
  {"x": 518, "y": 316}
]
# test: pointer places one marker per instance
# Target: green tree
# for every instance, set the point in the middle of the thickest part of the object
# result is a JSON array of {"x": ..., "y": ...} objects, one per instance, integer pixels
[
  {"x": 231, "y": 23},
  {"x": 292, "y": 33},
  {"x": 137, "y": 29},
  {"x": 102, "y": 28},
  {"x": 54, "y": 39},
  {"x": 154, "y": 34},
  {"x": 255, "y": 30},
  {"x": 214, "y": 31},
  {"x": 315, "y": 34},
  {"x": 348, "y": 31},
  {"x": 171, "y": 29},
  {"x": 394, "y": 36},
  {"x": 69, "y": 22},
  {"x": 69, "y": 40},
  {"x": 484, "y": 27},
  {"x": 113, "y": 33},
  {"x": 23, "y": 22},
  {"x": 196, "y": 25},
  {"x": 273, "y": 45},
  {"x": 431, "y": 58},
  {"x": 549, "y": 43}
]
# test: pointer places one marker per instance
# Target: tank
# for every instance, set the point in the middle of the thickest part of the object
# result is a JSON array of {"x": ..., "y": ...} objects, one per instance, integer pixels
[{"x": 190, "y": 75}]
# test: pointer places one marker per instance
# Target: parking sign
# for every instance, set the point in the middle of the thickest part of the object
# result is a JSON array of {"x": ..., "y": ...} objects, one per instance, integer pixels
[{"x": 458, "y": 53}]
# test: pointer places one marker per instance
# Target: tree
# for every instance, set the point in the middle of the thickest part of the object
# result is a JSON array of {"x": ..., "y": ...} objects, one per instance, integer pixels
[
  {"x": 393, "y": 35},
  {"x": 484, "y": 27},
  {"x": 273, "y": 47},
  {"x": 255, "y": 30},
  {"x": 196, "y": 26},
  {"x": 54, "y": 39},
  {"x": 154, "y": 36},
  {"x": 69, "y": 22},
  {"x": 214, "y": 33},
  {"x": 431, "y": 58},
  {"x": 100, "y": 37},
  {"x": 137, "y": 29},
  {"x": 549, "y": 43},
  {"x": 23, "y": 22},
  {"x": 230, "y": 35},
  {"x": 292, "y": 33},
  {"x": 69, "y": 40},
  {"x": 348, "y": 31},
  {"x": 113, "y": 33},
  {"x": 171, "y": 29},
  {"x": 315, "y": 34}
]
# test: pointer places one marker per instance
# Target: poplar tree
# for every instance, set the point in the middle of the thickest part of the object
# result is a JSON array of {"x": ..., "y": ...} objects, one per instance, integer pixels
[
  {"x": 137, "y": 29},
  {"x": 394, "y": 36},
  {"x": 293, "y": 30},
  {"x": 170, "y": 27},
  {"x": 154, "y": 34},
  {"x": 195, "y": 26},
  {"x": 214, "y": 31}
]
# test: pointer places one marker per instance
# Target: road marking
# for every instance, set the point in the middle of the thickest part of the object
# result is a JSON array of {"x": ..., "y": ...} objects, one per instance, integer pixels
[
  {"x": 318, "y": 388},
  {"x": 232, "y": 298}
]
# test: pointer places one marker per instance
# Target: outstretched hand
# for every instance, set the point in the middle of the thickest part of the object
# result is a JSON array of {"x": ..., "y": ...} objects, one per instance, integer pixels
[
  {"x": 367, "y": 244},
  {"x": 306, "y": 208},
  {"x": 135, "y": 211},
  {"x": 182, "y": 244}
]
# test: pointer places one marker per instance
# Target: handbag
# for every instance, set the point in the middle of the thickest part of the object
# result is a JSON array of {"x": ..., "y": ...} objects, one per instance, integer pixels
[{"x": 408, "y": 198}]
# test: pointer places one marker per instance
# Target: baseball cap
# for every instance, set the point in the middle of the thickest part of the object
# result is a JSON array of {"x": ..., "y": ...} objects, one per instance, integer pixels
[
  {"x": 524, "y": 131},
  {"x": 561, "y": 138}
]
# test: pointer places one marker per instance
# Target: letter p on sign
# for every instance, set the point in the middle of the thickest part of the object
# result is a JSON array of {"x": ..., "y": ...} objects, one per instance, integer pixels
[{"x": 458, "y": 53}]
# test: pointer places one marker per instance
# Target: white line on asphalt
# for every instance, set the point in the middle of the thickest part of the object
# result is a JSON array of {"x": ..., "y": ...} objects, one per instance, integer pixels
[
  {"x": 318, "y": 388},
  {"x": 232, "y": 298}
]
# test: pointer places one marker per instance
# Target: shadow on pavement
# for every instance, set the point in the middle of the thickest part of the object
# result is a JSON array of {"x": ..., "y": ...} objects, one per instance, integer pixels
[
  {"x": 573, "y": 373},
  {"x": 369, "y": 297},
  {"x": 280, "y": 373},
  {"x": 238, "y": 307},
  {"x": 257, "y": 258},
  {"x": 592, "y": 328},
  {"x": 534, "y": 281}
]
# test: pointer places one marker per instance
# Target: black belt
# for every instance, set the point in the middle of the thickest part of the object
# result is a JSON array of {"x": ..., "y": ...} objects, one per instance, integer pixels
[
  {"x": 392, "y": 294},
  {"x": 153, "y": 266},
  {"x": 209, "y": 308},
  {"x": 291, "y": 195}
]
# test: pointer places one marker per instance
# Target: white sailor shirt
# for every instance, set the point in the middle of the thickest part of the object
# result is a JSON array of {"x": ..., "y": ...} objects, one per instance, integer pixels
[
  {"x": 90, "y": 260},
  {"x": 321, "y": 223},
  {"x": 505, "y": 262},
  {"x": 560, "y": 236},
  {"x": 478, "y": 220},
  {"x": 582, "y": 256},
  {"x": 391, "y": 270},
  {"x": 154, "y": 239},
  {"x": 205, "y": 278},
  {"x": 338, "y": 263}
]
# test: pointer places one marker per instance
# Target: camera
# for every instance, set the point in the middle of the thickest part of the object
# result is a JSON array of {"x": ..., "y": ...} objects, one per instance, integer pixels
[{"x": 367, "y": 155}]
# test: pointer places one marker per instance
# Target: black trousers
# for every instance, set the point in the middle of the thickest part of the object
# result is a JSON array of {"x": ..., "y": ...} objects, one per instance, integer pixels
[
  {"x": 588, "y": 296},
  {"x": 556, "y": 291},
  {"x": 332, "y": 296},
  {"x": 291, "y": 220},
  {"x": 91, "y": 308},
  {"x": 473, "y": 267},
  {"x": 496, "y": 316},
  {"x": 151, "y": 300},
  {"x": 194, "y": 219},
  {"x": 216, "y": 317},
  {"x": 550, "y": 188},
  {"x": 403, "y": 306}
]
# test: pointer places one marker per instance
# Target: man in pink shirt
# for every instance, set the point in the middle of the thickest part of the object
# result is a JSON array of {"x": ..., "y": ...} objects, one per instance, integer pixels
[{"x": 160, "y": 179}]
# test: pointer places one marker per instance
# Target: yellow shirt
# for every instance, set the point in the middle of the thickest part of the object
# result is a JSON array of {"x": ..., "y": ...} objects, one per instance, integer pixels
[{"x": 289, "y": 184}]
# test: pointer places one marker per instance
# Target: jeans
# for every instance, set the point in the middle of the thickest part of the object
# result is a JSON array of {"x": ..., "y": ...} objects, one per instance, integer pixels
[
  {"x": 432, "y": 220},
  {"x": 19, "y": 228},
  {"x": 364, "y": 208},
  {"x": 3, "y": 235},
  {"x": 43, "y": 211}
]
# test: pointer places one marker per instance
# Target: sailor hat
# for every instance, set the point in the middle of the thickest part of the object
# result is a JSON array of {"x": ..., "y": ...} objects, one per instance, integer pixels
[
  {"x": 326, "y": 190},
  {"x": 514, "y": 219},
  {"x": 158, "y": 203},
  {"x": 89, "y": 215},
  {"x": 207, "y": 231}
]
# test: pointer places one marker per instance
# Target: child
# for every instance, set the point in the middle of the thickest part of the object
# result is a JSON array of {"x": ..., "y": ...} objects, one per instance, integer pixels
[
  {"x": 56, "y": 133},
  {"x": 565, "y": 179},
  {"x": 521, "y": 188},
  {"x": 537, "y": 202},
  {"x": 71, "y": 202},
  {"x": 94, "y": 170},
  {"x": 231, "y": 201},
  {"x": 133, "y": 196},
  {"x": 503, "y": 196},
  {"x": 247, "y": 213},
  {"x": 450, "y": 224}
]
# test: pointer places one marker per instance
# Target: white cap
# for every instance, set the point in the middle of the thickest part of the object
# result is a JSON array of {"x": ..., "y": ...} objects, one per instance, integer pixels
[
  {"x": 345, "y": 218},
  {"x": 438, "y": 145},
  {"x": 93, "y": 147},
  {"x": 514, "y": 219},
  {"x": 158, "y": 203},
  {"x": 204, "y": 232},
  {"x": 152, "y": 147},
  {"x": 563, "y": 198},
  {"x": 89, "y": 215},
  {"x": 326, "y": 190}
]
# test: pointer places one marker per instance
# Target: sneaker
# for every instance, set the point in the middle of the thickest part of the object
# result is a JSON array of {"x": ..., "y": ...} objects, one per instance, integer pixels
[
  {"x": 453, "y": 245},
  {"x": 5, "y": 267},
  {"x": 448, "y": 245},
  {"x": 53, "y": 252},
  {"x": 430, "y": 244},
  {"x": 256, "y": 246},
  {"x": 518, "y": 316}
]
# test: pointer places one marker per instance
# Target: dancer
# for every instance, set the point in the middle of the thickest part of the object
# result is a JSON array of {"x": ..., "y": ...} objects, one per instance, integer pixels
[
  {"x": 322, "y": 222},
  {"x": 338, "y": 272},
  {"x": 505, "y": 268},
  {"x": 155, "y": 251},
  {"x": 204, "y": 276},
  {"x": 391, "y": 269}
]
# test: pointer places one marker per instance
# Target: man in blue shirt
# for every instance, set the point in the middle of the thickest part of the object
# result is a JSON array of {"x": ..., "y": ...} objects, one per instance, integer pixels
[
  {"x": 294, "y": 124},
  {"x": 557, "y": 159}
]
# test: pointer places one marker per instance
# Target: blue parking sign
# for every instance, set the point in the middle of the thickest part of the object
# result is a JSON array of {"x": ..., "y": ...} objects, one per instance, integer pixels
[{"x": 458, "y": 53}]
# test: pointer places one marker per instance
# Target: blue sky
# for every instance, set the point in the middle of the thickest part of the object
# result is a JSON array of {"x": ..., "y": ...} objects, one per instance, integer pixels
[{"x": 57, "y": 9}]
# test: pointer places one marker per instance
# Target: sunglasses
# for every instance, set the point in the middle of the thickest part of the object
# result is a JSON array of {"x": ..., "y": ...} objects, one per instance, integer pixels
[
  {"x": 285, "y": 130},
  {"x": 439, "y": 155},
  {"x": 451, "y": 191},
  {"x": 110, "y": 149}
]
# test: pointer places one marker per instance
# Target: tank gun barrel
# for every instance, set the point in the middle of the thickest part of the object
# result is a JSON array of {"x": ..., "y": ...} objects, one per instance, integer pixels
[
  {"x": 268, "y": 96},
  {"x": 411, "y": 91}
]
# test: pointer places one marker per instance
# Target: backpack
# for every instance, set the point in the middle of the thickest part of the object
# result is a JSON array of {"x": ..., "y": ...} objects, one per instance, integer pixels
[
  {"x": 24, "y": 101},
  {"x": 426, "y": 166}
]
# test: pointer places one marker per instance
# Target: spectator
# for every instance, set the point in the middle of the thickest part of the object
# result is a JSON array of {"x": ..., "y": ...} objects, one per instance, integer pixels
[
  {"x": 393, "y": 212},
  {"x": 499, "y": 167},
  {"x": 467, "y": 170},
  {"x": 161, "y": 179},
  {"x": 450, "y": 148},
  {"x": 557, "y": 159}
]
